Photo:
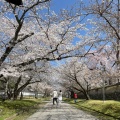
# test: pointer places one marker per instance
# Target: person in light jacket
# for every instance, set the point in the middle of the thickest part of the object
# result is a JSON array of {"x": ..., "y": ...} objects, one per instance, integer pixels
[
  {"x": 55, "y": 97},
  {"x": 60, "y": 96}
]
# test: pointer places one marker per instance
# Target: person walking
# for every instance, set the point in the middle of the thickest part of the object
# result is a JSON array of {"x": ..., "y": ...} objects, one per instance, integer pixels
[
  {"x": 75, "y": 97},
  {"x": 60, "y": 96},
  {"x": 55, "y": 97}
]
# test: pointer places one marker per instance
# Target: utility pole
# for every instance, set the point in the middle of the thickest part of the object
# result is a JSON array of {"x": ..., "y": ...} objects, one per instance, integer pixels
[{"x": 103, "y": 90}]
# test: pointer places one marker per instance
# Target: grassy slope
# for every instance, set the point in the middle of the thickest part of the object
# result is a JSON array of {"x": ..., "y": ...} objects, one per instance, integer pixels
[
  {"x": 109, "y": 107},
  {"x": 18, "y": 110}
]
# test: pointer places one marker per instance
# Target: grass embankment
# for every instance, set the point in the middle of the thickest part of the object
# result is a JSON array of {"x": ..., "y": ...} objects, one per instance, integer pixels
[
  {"x": 19, "y": 109},
  {"x": 108, "y": 110}
]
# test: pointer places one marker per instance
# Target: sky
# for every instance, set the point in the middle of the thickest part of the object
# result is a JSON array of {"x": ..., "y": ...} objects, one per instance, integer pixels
[
  {"x": 65, "y": 4},
  {"x": 61, "y": 4}
]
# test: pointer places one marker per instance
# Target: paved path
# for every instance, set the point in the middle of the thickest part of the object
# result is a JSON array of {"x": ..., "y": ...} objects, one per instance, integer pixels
[{"x": 60, "y": 112}]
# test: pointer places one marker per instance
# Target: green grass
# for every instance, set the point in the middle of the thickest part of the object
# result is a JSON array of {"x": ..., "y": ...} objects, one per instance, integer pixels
[
  {"x": 108, "y": 109},
  {"x": 19, "y": 109}
]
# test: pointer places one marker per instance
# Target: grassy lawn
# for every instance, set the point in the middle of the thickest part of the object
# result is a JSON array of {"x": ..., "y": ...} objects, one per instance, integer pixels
[
  {"x": 19, "y": 109},
  {"x": 108, "y": 110}
]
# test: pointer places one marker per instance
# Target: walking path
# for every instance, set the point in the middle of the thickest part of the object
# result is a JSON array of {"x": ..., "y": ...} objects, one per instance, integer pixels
[{"x": 60, "y": 112}]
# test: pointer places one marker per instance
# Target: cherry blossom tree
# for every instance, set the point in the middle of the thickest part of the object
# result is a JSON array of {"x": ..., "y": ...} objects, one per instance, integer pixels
[
  {"x": 106, "y": 14},
  {"x": 104, "y": 61},
  {"x": 13, "y": 19},
  {"x": 76, "y": 76},
  {"x": 17, "y": 79},
  {"x": 33, "y": 35}
]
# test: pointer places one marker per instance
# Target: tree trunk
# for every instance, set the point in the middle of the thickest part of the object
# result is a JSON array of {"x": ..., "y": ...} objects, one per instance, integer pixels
[
  {"x": 18, "y": 90},
  {"x": 87, "y": 96},
  {"x": 9, "y": 94},
  {"x": 72, "y": 94},
  {"x": 15, "y": 95},
  {"x": 21, "y": 96},
  {"x": 36, "y": 94}
]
